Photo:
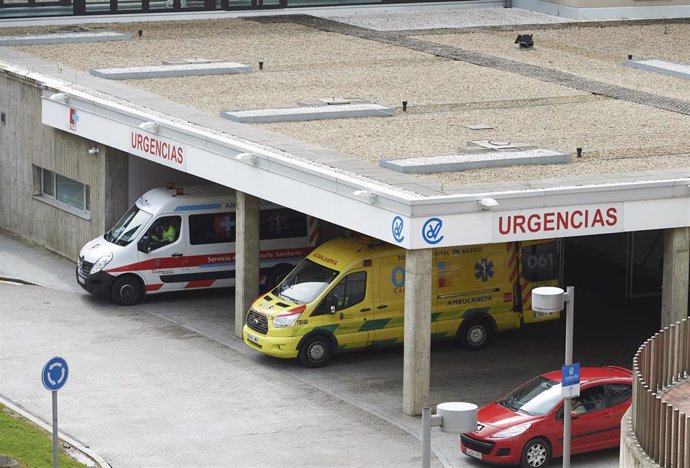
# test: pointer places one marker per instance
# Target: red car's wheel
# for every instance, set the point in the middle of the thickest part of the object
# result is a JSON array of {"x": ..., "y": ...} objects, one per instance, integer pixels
[{"x": 536, "y": 454}]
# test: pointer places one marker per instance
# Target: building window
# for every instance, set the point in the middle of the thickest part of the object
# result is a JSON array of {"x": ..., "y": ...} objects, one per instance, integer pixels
[
  {"x": 48, "y": 183},
  {"x": 62, "y": 192},
  {"x": 71, "y": 192}
]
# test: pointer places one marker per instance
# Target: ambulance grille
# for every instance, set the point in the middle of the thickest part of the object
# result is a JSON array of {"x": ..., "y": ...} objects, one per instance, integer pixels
[
  {"x": 257, "y": 322},
  {"x": 85, "y": 267}
]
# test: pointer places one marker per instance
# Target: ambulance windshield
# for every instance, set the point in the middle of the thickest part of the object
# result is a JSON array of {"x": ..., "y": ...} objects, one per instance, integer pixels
[
  {"x": 128, "y": 227},
  {"x": 305, "y": 282}
]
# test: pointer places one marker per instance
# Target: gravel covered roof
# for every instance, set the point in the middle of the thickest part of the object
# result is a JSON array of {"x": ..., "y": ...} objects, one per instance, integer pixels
[{"x": 570, "y": 91}]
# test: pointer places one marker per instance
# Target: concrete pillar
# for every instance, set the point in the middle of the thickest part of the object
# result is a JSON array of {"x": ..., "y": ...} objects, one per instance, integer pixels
[
  {"x": 674, "y": 293},
  {"x": 417, "y": 353},
  {"x": 116, "y": 186},
  {"x": 246, "y": 257}
]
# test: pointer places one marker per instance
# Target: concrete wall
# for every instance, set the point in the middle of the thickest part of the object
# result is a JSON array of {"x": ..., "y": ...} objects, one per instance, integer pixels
[
  {"x": 632, "y": 455},
  {"x": 145, "y": 175},
  {"x": 25, "y": 142}
]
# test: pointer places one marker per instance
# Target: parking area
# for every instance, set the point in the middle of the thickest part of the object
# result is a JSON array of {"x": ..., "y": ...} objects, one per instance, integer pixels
[{"x": 167, "y": 380}]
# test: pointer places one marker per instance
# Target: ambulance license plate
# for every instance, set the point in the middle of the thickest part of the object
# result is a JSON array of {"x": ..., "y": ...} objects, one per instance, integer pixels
[
  {"x": 473, "y": 453},
  {"x": 252, "y": 338}
]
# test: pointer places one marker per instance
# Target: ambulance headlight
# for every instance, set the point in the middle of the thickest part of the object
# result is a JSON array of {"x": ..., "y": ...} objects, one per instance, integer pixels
[
  {"x": 102, "y": 262},
  {"x": 289, "y": 318}
]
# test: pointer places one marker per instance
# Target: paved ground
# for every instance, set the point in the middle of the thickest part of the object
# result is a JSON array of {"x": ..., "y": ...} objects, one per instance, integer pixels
[
  {"x": 146, "y": 392},
  {"x": 166, "y": 383}
]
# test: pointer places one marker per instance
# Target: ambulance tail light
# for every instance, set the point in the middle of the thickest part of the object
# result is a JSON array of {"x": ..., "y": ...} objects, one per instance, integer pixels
[{"x": 289, "y": 318}]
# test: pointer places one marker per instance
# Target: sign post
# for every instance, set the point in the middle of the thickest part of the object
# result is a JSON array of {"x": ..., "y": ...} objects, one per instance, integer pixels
[
  {"x": 54, "y": 376},
  {"x": 552, "y": 300}
]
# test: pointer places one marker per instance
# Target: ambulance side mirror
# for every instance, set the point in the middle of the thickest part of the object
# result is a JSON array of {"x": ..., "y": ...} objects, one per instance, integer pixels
[
  {"x": 329, "y": 305},
  {"x": 144, "y": 245}
]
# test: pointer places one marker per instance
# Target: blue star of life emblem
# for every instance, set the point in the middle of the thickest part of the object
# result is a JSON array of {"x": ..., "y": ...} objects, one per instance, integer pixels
[{"x": 484, "y": 269}]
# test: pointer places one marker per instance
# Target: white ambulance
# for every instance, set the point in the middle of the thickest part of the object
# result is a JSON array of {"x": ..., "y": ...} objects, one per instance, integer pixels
[{"x": 184, "y": 238}]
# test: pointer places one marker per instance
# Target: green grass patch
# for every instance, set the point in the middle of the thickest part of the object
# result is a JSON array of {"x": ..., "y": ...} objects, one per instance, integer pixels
[{"x": 27, "y": 443}]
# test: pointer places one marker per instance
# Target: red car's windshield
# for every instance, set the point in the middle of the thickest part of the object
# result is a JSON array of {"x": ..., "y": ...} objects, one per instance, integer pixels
[{"x": 536, "y": 397}]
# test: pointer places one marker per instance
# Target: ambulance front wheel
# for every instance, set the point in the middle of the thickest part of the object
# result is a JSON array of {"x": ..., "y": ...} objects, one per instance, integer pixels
[
  {"x": 474, "y": 334},
  {"x": 127, "y": 290},
  {"x": 316, "y": 351}
]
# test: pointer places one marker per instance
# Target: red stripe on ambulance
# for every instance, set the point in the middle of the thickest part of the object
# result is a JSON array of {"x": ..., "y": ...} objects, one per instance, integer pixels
[
  {"x": 200, "y": 284},
  {"x": 199, "y": 260}
]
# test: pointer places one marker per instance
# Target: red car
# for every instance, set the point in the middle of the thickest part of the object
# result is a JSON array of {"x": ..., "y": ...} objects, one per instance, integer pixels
[{"x": 525, "y": 427}]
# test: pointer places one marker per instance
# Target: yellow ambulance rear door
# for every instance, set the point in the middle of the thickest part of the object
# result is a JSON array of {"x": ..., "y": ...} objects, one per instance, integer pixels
[{"x": 538, "y": 263}]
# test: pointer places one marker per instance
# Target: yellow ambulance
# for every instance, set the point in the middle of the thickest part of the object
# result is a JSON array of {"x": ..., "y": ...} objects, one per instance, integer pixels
[{"x": 349, "y": 293}]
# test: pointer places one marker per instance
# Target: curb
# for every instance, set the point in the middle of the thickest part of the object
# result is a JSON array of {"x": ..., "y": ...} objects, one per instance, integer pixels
[{"x": 100, "y": 462}]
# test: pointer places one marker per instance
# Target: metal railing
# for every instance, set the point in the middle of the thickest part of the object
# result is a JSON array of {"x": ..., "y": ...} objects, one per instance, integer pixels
[{"x": 661, "y": 362}]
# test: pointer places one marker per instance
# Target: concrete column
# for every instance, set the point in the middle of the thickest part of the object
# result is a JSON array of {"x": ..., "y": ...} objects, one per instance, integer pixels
[
  {"x": 246, "y": 257},
  {"x": 417, "y": 353},
  {"x": 674, "y": 293},
  {"x": 116, "y": 186}
]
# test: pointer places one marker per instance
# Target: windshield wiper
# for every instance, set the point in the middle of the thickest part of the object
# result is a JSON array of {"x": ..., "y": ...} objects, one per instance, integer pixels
[
  {"x": 289, "y": 298},
  {"x": 507, "y": 404}
]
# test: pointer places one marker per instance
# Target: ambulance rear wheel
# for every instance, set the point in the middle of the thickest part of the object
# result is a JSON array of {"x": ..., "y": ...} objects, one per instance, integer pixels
[
  {"x": 474, "y": 334},
  {"x": 316, "y": 351},
  {"x": 127, "y": 290}
]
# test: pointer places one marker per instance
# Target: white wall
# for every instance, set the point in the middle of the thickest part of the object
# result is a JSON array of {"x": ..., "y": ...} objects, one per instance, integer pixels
[{"x": 145, "y": 175}]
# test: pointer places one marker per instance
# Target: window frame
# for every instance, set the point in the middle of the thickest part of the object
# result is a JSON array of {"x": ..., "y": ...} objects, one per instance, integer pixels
[
  {"x": 195, "y": 223},
  {"x": 604, "y": 400},
  {"x": 324, "y": 309},
  {"x": 537, "y": 274},
  {"x": 175, "y": 219},
  {"x": 40, "y": 193},
  {"x": 609, "y": 397}
]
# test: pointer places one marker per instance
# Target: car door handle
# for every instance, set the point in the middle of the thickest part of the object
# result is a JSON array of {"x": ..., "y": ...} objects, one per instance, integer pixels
[
  {"x": 382, "y": 306},
  {"x": 177, "y": 255},
  {"x": 366, "y": 309}
]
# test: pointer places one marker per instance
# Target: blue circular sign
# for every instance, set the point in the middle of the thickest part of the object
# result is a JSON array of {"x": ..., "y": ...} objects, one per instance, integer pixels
[
  {"x": 431, "y": 231},
  {"x": 54, "y": 374},
  {"x": 398, "y": 277},
  {"x": 397, "y": 228}
]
